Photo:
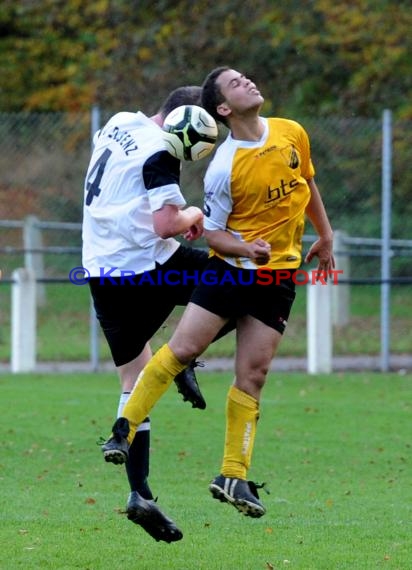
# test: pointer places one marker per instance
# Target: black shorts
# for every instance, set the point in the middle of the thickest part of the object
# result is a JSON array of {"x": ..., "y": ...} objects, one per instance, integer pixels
[
  {"x": 131, "y": 310},
  {"x": 232, "y": 293}
]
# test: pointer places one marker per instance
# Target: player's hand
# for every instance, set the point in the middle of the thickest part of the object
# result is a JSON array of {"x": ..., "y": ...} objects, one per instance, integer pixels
[
  {"x": 194, "y": 232},
  {"x": 323, "y": 250},
  {"x": 259, "y": 251}
]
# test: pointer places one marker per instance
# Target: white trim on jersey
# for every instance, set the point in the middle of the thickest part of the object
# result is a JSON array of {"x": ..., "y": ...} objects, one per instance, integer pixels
[
  {"x": 218, "y": 179},
  {"x": 217, "y": 183}
]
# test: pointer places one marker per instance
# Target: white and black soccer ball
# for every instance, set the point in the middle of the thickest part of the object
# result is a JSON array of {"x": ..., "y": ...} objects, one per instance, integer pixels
[{"x": 190, "y": 132}]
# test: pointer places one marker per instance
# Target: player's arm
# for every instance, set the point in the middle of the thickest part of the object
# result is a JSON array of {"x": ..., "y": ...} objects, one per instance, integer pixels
[
  {"x": 218, "y": 206},
  {"x": 161, "y": 174},
  {"x": 170, "y": 221},
  {"x": 322, "y": 248},
  {"x": 227, "y": 245}
]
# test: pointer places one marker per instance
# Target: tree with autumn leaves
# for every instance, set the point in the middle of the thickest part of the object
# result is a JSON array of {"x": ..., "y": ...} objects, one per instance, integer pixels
[{"x": 324, "y": 57}]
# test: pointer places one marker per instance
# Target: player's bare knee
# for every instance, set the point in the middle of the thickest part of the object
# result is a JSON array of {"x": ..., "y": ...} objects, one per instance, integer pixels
[
  {"x": 185, "y": 354},
  {"x": 258, "y": 373},
  {"x": 252, "y": 380},
  {"x": 259, "y": 380}
]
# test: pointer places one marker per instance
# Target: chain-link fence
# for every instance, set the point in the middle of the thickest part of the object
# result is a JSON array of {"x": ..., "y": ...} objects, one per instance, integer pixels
[
  {"x": 44, "y": 156},
  {"x": 42, "y": 163}
]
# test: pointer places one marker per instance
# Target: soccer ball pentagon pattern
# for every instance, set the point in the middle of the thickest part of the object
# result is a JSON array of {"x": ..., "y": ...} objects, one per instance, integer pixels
[{"x": 190, "y": 132}]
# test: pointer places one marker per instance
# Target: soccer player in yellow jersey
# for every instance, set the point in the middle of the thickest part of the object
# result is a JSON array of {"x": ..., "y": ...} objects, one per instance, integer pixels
[{"x": 258, "y": 189}]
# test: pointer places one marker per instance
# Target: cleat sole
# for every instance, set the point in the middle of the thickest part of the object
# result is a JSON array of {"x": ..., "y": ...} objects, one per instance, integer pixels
[{"x": 115, "y": 456}]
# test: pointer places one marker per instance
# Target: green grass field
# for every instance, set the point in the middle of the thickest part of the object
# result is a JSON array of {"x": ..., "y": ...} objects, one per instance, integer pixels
[{"x": 334, "y": 450}]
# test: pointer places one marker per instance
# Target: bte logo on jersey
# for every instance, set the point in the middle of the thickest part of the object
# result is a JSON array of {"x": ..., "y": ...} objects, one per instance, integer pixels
[{"x": 281, "y": 191}]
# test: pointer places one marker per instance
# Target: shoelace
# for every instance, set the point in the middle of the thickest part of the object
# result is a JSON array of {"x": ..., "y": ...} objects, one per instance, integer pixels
[{"x": 255, "y": 486}]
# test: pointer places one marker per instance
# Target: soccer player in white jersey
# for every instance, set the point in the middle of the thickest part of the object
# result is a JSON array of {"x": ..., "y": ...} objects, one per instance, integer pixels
[
  {"x": 133, "y": 206},
  {"x": 258, "y": 189}
]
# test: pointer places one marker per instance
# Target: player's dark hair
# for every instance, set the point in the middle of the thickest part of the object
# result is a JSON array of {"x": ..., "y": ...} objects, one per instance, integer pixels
[
  {"x": 187, "y": 95},
  {"x": 211, "y": 95}
]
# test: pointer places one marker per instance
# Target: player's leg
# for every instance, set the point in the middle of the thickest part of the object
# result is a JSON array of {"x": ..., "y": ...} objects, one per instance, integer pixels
[
  {"x": 258, "y": 336},
  {"x": 119, "y": 308},
  {"x": 154, "y": 380},
  {"x": 141, "y": 507},
  {"x": 188, "y": 264},
  {"x": 192, "y": 336},
  {"x": 114, "y": 308},
  {"x": 137, "y": 464},
  {"x": 255, "y": 346}
]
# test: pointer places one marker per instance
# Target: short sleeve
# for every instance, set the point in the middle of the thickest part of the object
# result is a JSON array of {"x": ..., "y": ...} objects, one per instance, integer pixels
[{"x": 161, "y": 177}]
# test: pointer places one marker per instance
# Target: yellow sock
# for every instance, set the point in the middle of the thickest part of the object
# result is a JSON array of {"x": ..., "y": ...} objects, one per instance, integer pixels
[
  {"x": 242, "y": 413},
  {"x": 153, "y": 381}
]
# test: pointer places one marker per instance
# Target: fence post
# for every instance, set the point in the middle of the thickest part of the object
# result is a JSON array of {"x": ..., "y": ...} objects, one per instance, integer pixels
[
  {"x": 341, "y": 292},
  {"x": 386, "y": 238},
  {"x": 23, "y": 321},
  {"x": 319, "y": 328},
  {"x": 95, "y": 121},
  {"x": 33, "y": 257}
]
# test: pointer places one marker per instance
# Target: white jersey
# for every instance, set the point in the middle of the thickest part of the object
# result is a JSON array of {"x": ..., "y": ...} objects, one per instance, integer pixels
[{"x": 130, "y": 175}]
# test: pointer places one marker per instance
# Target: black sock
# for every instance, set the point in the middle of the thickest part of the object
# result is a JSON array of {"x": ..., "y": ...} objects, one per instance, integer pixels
[{"x": 137, "y": 466}]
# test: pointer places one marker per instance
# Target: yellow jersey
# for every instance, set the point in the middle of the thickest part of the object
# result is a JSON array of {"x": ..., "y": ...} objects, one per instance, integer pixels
[{"x": 260, "y": 190}]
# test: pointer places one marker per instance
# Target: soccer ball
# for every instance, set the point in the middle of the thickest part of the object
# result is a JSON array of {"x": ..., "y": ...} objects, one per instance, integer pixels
[{"x": 190, "y": 132}]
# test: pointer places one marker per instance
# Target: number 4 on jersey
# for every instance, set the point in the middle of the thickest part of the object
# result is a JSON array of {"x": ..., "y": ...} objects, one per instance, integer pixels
[{"x": 93, "y": 182}]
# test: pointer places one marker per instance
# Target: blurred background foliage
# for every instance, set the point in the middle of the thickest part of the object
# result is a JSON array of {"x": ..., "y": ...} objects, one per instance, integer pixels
[
  {"x": 333, "y": 66},
  {"x": 320, "y": 57}
]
